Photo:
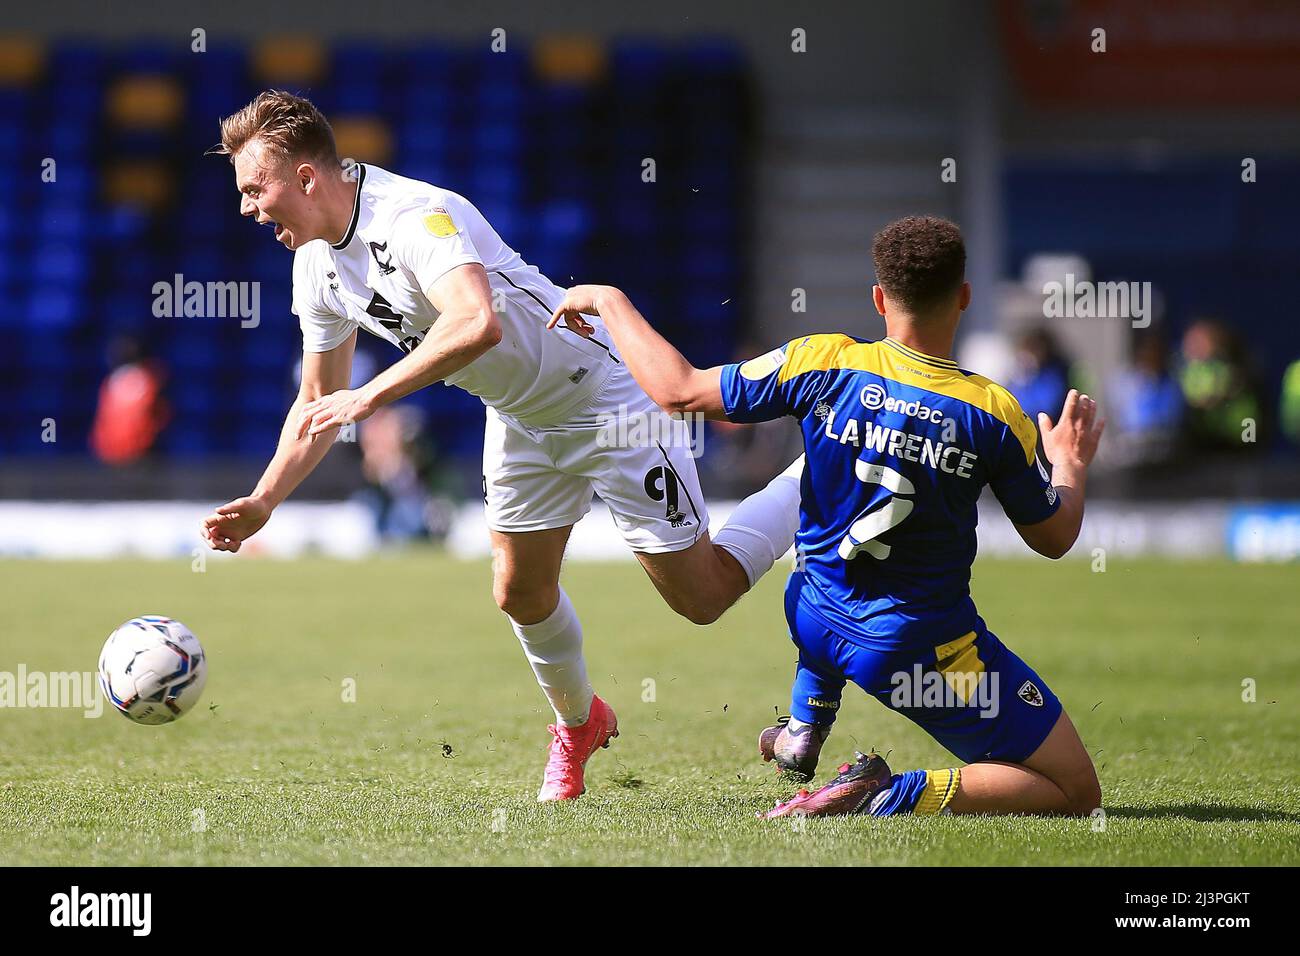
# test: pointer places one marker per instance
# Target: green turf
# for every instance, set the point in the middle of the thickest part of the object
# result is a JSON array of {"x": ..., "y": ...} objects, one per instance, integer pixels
[{"x": 439, "y": 758}]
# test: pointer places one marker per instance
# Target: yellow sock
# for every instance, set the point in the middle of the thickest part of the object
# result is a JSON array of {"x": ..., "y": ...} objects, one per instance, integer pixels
[{"x": 940, "y": 787}]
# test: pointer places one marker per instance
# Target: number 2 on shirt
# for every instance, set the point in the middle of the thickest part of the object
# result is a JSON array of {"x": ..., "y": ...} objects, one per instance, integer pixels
[{"x": 865, "y": 530}]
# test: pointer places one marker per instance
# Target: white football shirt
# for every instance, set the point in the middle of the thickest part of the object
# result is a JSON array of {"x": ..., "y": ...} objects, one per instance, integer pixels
[{"x": 403, "y": 236}]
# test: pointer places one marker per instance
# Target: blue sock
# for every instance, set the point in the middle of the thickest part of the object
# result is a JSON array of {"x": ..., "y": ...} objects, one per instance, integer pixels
[{"x": 904, "y": 791}]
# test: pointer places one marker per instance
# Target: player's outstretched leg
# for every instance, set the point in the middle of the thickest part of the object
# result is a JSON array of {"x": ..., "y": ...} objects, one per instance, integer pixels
[
  {"x": 762, "y": 527},
  {"x": 1058, "y": 779},
  {"x": 1015, "y": 714},
  {"x": 702, "y": 581},
  {"x": 526, "y": 584}
]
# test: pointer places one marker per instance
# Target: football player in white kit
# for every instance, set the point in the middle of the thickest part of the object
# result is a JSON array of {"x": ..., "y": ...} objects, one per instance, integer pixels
[{"x": 419, "y": 266}]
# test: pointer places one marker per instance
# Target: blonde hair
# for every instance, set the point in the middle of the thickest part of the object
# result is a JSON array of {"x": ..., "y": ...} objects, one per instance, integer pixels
[{"x": 290, "y": 125}]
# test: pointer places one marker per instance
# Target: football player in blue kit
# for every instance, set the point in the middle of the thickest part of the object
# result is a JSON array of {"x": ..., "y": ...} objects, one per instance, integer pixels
[{"x": 899, "y": 443}]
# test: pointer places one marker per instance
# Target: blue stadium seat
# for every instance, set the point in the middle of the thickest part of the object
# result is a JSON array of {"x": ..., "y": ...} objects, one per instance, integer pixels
[
  {"x": 151, "y": 56},
  {"x": 1181, "y": 211},
  {"x": 62, "y": 221},
  {"x": 60, "y": 307},
  {"x": 187, "y": 436},
  {"x": 501, "y": 181},
  {"x": 193, "y": 399},
  {"x": 120, "y": 225},
  {"x": 496, "y": 138},
  {"x": 255, "y": 436},
  {"x": 479, "y": 123}
]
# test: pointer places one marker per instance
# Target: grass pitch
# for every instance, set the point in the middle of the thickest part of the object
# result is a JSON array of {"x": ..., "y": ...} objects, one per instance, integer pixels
[{"x": 439, "y": 758}]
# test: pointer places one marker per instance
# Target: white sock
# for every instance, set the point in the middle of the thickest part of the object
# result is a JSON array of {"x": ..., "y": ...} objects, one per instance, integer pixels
[
  {"x": 554, "y": 649},
  {"x": 762, "y": 527}
]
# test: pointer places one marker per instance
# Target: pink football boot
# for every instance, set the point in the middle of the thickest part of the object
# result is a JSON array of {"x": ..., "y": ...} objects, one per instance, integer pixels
[
  {"x": 850, "y": 792},
  {"x": 571, "y": 749}
]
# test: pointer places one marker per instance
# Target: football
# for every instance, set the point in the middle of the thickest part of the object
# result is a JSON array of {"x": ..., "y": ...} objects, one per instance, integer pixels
[{"x": 152, "y": 669}]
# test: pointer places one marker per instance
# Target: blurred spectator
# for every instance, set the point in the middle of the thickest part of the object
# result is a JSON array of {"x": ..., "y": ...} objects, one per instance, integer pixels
[
  {"x": 1219, "y": 389},
  {"x": 395, "y": 464},
  {"x": 131, "y": 411},
  {"x": 1145, "y": 405},
  {"x": 1290, "y": 407},
  {"x": 1042, "y": 375}
]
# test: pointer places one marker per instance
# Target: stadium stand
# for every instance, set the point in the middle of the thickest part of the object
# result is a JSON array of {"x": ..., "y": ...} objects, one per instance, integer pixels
[{"x": 548, "y": 141}]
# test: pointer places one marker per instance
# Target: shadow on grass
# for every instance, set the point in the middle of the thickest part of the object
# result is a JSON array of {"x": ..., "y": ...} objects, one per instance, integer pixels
[{"x": 1204, "y": 814}]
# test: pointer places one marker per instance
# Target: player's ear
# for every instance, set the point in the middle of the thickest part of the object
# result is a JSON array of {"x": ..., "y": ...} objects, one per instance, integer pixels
[
  {"x": 963, "y": 302},
  {"x": 878, "y": 297},
  {"x": 306, "y": 177}
]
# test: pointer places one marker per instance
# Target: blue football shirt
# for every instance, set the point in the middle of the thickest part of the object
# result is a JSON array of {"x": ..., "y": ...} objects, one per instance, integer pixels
[{"x": 898, "y": 447}]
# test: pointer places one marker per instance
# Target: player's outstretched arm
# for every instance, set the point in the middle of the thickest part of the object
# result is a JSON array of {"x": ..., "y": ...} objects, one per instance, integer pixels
[
  {"x": 671, "y": 382},
  {"x": 466, "y": 328},
  {"x": 1070, "y": 445},
  {"x": 295, "y": 457}
]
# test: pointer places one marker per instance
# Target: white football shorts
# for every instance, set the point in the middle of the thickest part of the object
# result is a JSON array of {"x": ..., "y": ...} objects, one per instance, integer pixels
[{"x": 621, "y": 446}]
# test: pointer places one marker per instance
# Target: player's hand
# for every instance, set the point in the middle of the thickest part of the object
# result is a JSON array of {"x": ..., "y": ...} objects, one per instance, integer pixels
[
  {"x": 1072, "y": 440},
  {"x": 229, "y": 526},
  {"x": 332, "y": 410},
  {"x": 578, "y": 301}
]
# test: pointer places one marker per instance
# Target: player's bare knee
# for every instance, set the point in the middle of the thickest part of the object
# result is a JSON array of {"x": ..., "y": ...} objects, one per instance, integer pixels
[
  {"x": 1084, "y": 794},
  {"x": 706, "y": 614},
  {"x": 698, "y": 609},
  {"x": 523, "y": 604},
  {"x": 1087, "y": 799}
]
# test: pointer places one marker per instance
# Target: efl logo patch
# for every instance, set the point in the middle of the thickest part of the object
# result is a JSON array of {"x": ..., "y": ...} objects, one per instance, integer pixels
[
  {"x": 1030, "y": 694},
  {"x": 763, "y": 366},
  {"x": 824, "y": 704},
  {"x": 439, "y": 223}
]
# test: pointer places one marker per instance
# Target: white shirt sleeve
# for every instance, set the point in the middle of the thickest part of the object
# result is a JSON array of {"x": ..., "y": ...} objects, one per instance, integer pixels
[
  {"x": 322, "y": 328},
  {"x": 434, "y": 238}
]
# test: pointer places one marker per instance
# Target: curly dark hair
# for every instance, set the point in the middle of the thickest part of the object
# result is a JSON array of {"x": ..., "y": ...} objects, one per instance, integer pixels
[{"x": 920, "y": 261}]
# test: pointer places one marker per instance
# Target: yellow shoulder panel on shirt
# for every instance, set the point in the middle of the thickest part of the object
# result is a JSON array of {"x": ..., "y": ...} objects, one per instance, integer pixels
[
  {"x": 819, "y": 353},
  {"x": 815, "y": 353},
  {"x": 1004, "y": 407}
]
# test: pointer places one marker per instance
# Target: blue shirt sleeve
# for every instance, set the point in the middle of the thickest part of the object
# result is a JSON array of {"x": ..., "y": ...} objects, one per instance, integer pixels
[
  {"x": 752, "y": 391},
  {"x": 784, "y": 381},
  {"x": 1022, "y": 485}
]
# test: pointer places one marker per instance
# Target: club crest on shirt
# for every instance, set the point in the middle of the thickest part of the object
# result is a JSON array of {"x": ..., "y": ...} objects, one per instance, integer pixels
[
  {"x": 439, "y": 223},
  {"x": 386, "y": 266}
]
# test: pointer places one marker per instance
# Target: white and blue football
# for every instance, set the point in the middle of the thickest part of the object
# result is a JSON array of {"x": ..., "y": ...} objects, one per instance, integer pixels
[{"x": 152, "y": 669}]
